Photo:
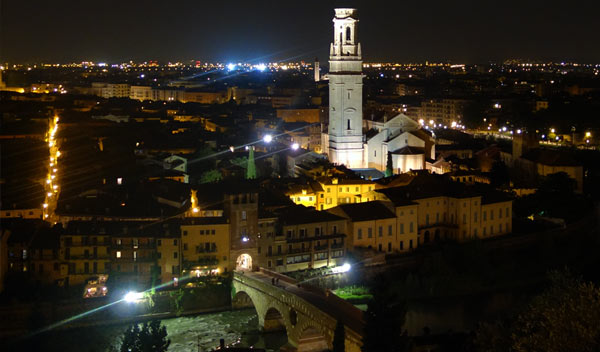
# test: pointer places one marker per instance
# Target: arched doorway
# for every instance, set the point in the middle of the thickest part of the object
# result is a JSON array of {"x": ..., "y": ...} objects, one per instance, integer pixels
[
  {"x": 312, "y": 340},
  {"x": 426, "y": 237},
  {"x": 243, "y": 262}
]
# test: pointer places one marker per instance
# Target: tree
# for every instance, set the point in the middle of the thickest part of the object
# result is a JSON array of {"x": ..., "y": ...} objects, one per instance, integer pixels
[
  {"x": 563, "y": 318},
  {"x": 151, "y": 337},
  {"x": 211, "y": 176},
  {"x": 389, "y": 169},
  {"x": 251, "y": 170},
  {"x": 339, "y": 337},
  {"x": 384, "y": 319}
]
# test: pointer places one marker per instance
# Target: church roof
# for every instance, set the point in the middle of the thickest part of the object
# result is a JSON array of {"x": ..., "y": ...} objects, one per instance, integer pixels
[{"x": 408, "y": 150}]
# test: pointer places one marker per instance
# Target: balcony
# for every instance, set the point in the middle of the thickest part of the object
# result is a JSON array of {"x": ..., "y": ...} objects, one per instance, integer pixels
[
  {"x": 298, "y": 250},
  {"x": 322, "y": 247},
  {"x": 88, "y": 257},
  {"x": 337, "y": 246},
  {"x": 132, "y": 246}
]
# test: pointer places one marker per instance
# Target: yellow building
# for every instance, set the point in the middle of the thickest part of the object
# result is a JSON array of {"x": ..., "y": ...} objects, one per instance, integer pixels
[
  {"x": 447, "y": 210},
  {"x": 382, "y": 226},
  {"x": 85, "y": 251},
  {"x": 302, "y": 238},
  {"x": 332, "y": 192},
  {"x": 205, "y": 246}
]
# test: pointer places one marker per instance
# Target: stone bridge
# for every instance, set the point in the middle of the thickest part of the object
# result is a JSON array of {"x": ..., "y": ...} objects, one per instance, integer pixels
[{"x": 308, "y": 315}]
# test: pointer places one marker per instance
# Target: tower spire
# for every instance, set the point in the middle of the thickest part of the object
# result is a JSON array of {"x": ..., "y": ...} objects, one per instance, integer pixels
[{"x": 345, "y": 91}]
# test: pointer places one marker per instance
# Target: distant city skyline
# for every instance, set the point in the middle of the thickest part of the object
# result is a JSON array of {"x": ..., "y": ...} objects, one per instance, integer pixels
[{"x": 463, "y": 31}]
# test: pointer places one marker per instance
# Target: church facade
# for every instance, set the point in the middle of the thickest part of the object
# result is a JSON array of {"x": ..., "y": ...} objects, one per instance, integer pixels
[{"x": 348, "y": 143}]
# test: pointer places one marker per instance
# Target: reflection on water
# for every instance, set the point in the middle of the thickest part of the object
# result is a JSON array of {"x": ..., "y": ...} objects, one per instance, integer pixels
[{"x": 189, "y": 334}]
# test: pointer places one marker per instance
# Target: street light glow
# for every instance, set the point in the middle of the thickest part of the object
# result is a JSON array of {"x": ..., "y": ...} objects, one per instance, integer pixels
[
  {"x": 295, "y": 146},
  {"x": 231, "y": 67},
  {"x": 133, "y": 296},
  {"x": 341, "y": 269},
  {"x": 267, "y": 138}
]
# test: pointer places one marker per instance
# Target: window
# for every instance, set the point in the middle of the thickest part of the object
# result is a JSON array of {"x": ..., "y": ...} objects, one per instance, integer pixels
[
  {"x": 202, "y": 232},
  {"x": 175, "y": 255},
  {"x": 411, "y": 227},
  {"x": 475, "y": 232},
  {"x": 119, "y": 242},
  {"x": 185, "y": 246},
  {"x": 427, "y": 219},
  {"x": 174, "y": 242},
  {"x": 484, "y": 231},
  {"x": 349, "y": 125},
  {"x": 328, "y": 190},
  {"x": 348, "y": 33},
  {"x": 244, "y": 215},
  {"x": 380, "y": 231},
  {"x": 389, "y": 246},
  {"x": 379, "y": 247},
  {"x": 507, "y": 212},
  {"x": 410, "y": 244},
  {"x": 118, "y": 254},
  {"x": 401, "y": 228},
  {"x": 499, "y": 213},
  {"x": 159, "y": 242},
  {"x": 359, "y": 234},
  {"x": 437, "y": 217},
  {"x": 370, "y": 232},
  {"x": 334, "y": 229},
  {"x": 158, "y": 255},
  {"x": 464, "y": 218},
  {"x": 375, "y": 153},
  {"x": 134, "y": 255},
  {"x": 475, "y": 216},
  {"x": 484, "y": 215},
  {"x": 389, "y": 230},
  {"x": 500, "y": 229},
  {"x": 491, "y": 229},
  {"x": 401, "y": 245},
  {"x": 491, "y": 215}
]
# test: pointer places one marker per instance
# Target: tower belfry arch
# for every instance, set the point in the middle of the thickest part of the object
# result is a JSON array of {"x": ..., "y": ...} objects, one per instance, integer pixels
[{"x": 345, "y": 91}]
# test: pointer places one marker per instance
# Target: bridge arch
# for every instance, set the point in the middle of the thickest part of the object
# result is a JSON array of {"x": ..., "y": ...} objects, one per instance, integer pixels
[{"x": 274, "y": 321}]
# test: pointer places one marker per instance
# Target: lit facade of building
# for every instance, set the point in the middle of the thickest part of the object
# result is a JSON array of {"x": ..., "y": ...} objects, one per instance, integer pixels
[
  {"x": 329, "y": 192},
  {"x": 205, "y": 246}
]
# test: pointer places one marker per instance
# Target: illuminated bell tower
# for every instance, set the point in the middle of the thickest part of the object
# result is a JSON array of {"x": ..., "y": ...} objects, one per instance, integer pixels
[{"x": 345, "y": 91}]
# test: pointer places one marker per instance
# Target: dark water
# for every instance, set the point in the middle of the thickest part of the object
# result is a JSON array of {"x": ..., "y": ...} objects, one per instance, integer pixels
[{"x": 194, "y": 333}]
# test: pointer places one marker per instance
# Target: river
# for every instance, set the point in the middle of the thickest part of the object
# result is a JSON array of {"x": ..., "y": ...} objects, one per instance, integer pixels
[{"x": 191, "y": 333}]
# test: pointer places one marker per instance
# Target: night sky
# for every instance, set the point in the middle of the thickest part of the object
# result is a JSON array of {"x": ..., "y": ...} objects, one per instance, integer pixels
[{"x": 392, "y": 30}]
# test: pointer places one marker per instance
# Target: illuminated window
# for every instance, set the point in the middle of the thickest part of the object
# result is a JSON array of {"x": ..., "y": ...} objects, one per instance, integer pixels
[
  {"x": 348, "y": 33},
  {"x": 118, "y": 254}
]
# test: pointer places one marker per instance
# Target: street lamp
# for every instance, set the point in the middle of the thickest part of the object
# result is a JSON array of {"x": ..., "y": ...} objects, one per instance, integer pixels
[
  {"x": 133, "y": 296},
  {"x": 295, "y": 146},
  {"x": 267, "y": 138}
]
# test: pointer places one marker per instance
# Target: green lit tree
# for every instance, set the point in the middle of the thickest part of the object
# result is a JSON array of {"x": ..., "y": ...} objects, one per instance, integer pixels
[
  {"x": 211, "y": 176},
  {"x": 389, "y": 169},
  {"x": 251, "y": 170}
]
